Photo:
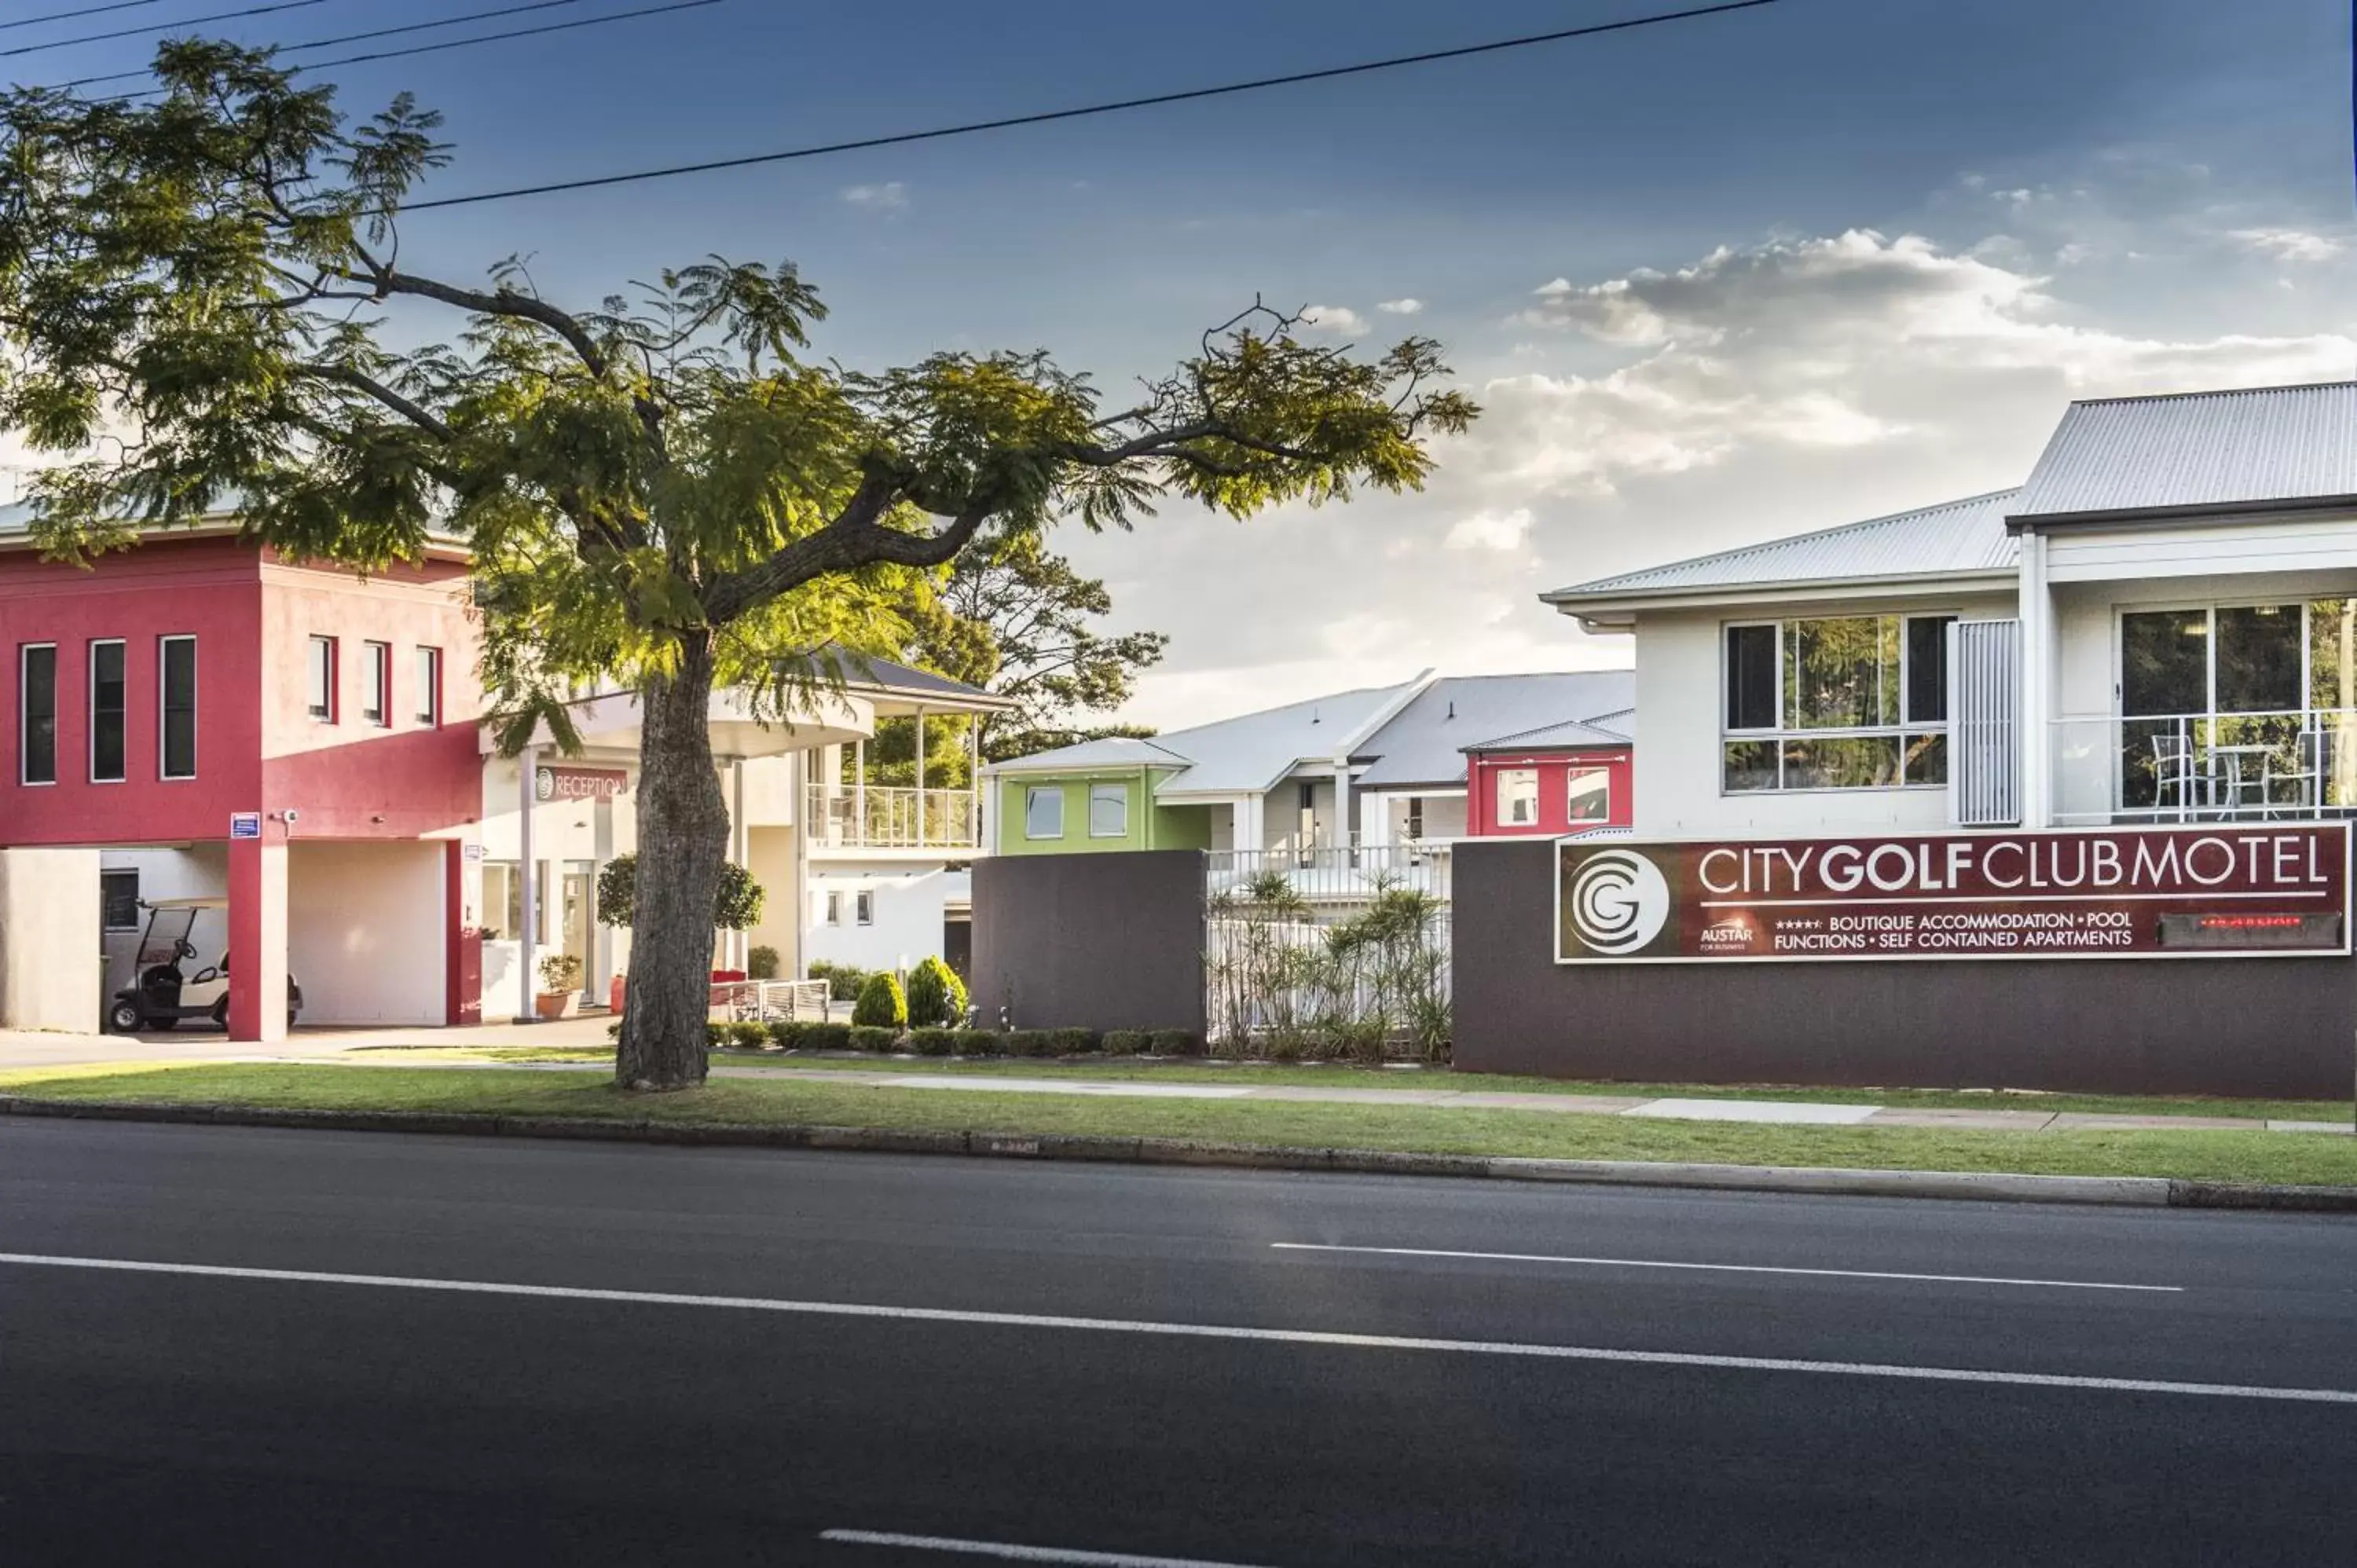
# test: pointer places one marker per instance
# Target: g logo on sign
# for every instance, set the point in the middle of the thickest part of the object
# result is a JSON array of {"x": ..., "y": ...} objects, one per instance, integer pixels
[
  {"x": 543, "y": 784},
  {"x": 1620, "y": 901}
]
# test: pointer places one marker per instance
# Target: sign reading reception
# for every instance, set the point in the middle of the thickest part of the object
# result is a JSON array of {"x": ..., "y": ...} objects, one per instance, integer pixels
[{"x": 2107, "y": 893}]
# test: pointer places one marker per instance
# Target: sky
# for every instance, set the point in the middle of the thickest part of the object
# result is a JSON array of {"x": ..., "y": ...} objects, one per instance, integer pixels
[{"x": 1711, "y": 282}]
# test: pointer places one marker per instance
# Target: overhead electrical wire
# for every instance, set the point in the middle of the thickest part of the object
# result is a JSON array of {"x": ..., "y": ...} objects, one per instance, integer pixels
[
  {"x": 1047, "y": 116},
  {"x": 351, "y": 37},
  {"x": 161, "y": 26},
  {"x": 74, "y": 15}
]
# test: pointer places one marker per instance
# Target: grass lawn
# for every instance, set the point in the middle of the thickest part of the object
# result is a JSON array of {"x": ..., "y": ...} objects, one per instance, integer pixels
[
  {"x": 1341, "y": 1076},
  {"x": 2255, "y": 1156}
]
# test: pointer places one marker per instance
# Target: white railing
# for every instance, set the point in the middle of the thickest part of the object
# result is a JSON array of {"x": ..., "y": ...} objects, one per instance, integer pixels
[
  {"x": 1330, "y": 876},
  {"x": 2176, "y": 768},
  {"x": 878, "y": 816},
  {"x": 763, "y": 1001}
]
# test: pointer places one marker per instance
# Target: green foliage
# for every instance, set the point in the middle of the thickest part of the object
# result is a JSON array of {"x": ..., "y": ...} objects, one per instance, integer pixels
[
  {"x": 789, "y": 1034},
  {"x": 880, "y": 1002},
  {"x": 749, "y": 1037},
  {"x": 1287, "y": 989},
  {"x": 867, "y": 1037},
  {"x": 717, "y": 1036},
  {"x": 738, "y": 907},
  {"x": 1028, "y": 1042},
  {"x": 938, "y": 1042},
  {"x": 826, "y": 1038},
  {"x": 560, "y": 972},
  {"x": 1071, "y": 1042},
  {"x": 761, "y": 964},
  {"x": 843, "y": 980},
  {"x": 1127, "y": 1042},
  {"x": 1178, "y": 1043},
  {"x": 936, "y": 995}
]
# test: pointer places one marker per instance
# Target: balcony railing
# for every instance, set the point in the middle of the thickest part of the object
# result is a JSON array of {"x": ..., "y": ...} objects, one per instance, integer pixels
[
  {"x": 1330, "y": 876},
  {"x": 2200, "y": 767},
  {"x": 877, "y": 816}
]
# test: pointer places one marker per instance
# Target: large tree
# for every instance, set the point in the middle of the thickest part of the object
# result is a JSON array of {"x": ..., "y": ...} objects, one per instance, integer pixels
[{"x": 205, "y": 306}]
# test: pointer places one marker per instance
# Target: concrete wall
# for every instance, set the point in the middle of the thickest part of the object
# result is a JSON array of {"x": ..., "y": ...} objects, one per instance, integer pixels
[
  {"x": 2257, "y": 1027},
  {"x": 1678, "y": 731},
  {"x": 1111, "y": 941},
  {"x": 50, "y": 967},
  {"x": 911, "y": 906},
  {"x": 366, "y": 937}
]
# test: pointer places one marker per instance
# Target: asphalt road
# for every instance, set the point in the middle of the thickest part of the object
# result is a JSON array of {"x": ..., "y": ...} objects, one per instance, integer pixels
[{"x": 255, "y": 1418}]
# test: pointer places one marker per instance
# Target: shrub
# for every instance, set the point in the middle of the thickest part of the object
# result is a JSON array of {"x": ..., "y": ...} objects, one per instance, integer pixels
[
  {"x": 748, "y": 1035},
  {"x": 560, "y": 972},
  {"x": 936, "y": 995},
  {"x": 761, "y": 964},
  {"x": 881, "y": 1004},
  {"x": 872, "y": 1037},
  {"x": 789, "y": 1033},
  {"x": 826, "y": 1036},
  {"x": 1176, "y": 1043},
  {"x": 1071, "y": 1042},
  {"x": 1127, "y": 1042},
  {"x": 843, "y": 980},
  {"x": 716, "y": 1036},
  {"x": 1028, "y": 1042},
  {"x": 936, "y": 1042},
  {"x": 614, "y": 1030}
]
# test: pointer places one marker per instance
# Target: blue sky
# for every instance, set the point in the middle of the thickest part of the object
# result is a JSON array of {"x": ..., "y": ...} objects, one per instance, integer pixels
[{"x": 1715, "y": 281}]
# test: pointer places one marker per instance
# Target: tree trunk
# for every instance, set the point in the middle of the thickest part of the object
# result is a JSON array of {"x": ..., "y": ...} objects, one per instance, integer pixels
[{"x": 683, "y": 841}]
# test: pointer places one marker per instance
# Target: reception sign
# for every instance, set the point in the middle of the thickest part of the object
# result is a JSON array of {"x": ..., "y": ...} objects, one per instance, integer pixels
[
  {"x": 580, "y": 783},
  {"x": 2155, "y": 891}
]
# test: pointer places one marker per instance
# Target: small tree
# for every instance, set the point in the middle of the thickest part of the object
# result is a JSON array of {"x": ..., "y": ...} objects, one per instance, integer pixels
[
  {"x": 560, "y": 972},
  {"x": 881, "y": 1003},
  {"x": 936, "y": 995},
  {"x": 761, "y": 964},
  {"x": 738, "y": 906}
]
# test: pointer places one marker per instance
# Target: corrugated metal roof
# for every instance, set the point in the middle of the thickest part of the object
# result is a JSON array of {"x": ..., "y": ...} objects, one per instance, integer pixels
[
  {"x": 1114, "y": 751},
  {"x": 1253, "y": 751},
  {"x": 1600, "y": 730},
  {"x": 1957, "y": 536},
  {"x": 2196, "y": 450},
  {"x": 1424, "y": 743}
]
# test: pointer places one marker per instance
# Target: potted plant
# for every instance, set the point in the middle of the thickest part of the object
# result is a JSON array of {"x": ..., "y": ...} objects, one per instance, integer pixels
[{"x": 560, "y": 985}]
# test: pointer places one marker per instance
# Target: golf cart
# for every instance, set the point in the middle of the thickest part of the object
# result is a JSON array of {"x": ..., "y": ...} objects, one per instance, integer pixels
[{"x": 166, "y": 993}]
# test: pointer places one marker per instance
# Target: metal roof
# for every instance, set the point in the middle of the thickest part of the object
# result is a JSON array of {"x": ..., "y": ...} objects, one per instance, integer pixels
[
  {"x": 1955, "y": 537},
  {"x": 1243, "y": 755},
  {"x": 2198, "y": 451},
  {"x": 1424, "y": 743},
  {"x": 1112, "y": 751},
  {"x": 1601, "y": 730}
]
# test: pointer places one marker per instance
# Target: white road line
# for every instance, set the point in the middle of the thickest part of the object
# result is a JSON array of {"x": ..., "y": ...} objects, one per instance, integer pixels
[
  {"x": 1007, "y": 1553},
  {"x": 1213, "y": 1331},
  {"x": 1722, "y": 1268}
]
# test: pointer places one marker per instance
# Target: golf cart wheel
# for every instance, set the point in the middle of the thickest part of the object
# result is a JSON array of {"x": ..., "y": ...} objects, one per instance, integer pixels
[
  {"x": 124, "y": 1019},
  {"x": 220, "y": 1012}
]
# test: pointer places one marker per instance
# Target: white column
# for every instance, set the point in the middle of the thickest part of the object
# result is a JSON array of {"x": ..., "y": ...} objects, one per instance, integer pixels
[
  {"x": 973, "y": 775},
  {"x": 1375, "y": 820},
  {"x": 1343, "y": 816},
  {"x": 601, "y": 935},
  {"x": 799, "y": 776},
  {"x": 527, "y": 769},
  {"x": 740, "y": 849},
  {"x": 1251, "y": 828},
  {"x": 2036, "y": 612},
  {"x": 921, "y": 777}
]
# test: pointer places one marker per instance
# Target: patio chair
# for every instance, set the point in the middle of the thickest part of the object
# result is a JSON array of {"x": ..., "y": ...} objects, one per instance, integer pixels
[
  {"x": 2304, "y": 778},
  {"x": 2174, "y": 781}
]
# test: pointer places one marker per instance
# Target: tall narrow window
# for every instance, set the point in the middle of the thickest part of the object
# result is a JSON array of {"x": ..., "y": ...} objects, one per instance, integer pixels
[
  {"x": 862, "y": 906},
  {"x": 1589, "y": 796},
  {"x": 176, "y": 740},
  {"x": 1518, "y": 797},
  {"x": 1108, "y": 810},
  {"x": 118, "y": 899},
  {"x": 321, "y": 671},
  {"x": 429, "y": 686},
  {"x": 36, "y": 668},
  {"x": 376, "y": 696},
  {"x": 106, "y": 712}
]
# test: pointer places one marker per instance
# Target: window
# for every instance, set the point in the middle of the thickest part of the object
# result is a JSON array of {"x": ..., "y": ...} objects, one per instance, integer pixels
[
  {"x": 429, "y": 686},
  {"x": 1589, "y": 796},
  {"x": 36, "y": 684},
  {"x": 1043, "y": 811},
  {"x": 1415, "y": 817},
  {"x": 321, "y": 670},
  {"x": 1841, "y": 703},
  {"x": 862, "y": 906},
  {"x": 1308, "y": 816},
  {"x": 1108, "y": 810},
  {"x": 2216, "y": 701},
  {"x": 1518, "y": 797},
  {"x": 502, "y": 900},
  {"x": 376, "y": 693},
  {"x": 833, "y": 908},
  {"x": 118, "y": 895},
  {"x": 107, "y": 712},
  {"x": 176, "y": 699}
]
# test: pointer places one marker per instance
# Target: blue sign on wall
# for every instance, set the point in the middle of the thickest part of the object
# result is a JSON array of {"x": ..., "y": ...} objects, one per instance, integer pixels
[{"x": 245, "y": 824}]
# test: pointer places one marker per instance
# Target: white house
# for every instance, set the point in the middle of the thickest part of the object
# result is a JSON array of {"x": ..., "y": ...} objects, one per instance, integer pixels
[{"x": 2160, "y": 623}]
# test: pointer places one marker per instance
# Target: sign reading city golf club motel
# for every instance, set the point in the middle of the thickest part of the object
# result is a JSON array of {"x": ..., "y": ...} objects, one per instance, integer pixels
[{"x": 2156, "y": 892}]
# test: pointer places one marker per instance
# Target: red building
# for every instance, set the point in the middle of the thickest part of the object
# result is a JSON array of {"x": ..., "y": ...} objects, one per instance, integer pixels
[{"x": 1563, "y": 779}]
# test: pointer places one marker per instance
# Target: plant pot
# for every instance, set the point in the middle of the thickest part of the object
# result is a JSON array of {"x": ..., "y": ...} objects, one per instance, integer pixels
[{"x": 553, "y": 1004}]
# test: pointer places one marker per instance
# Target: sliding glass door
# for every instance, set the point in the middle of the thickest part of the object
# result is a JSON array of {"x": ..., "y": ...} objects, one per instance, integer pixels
[{"x": 2238, "y": 708}]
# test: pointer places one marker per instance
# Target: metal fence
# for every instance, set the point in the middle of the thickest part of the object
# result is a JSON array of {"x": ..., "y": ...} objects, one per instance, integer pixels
[
  {"x": 1331, "y": 880},
  {"x": 767, "y": 1001},
  {"x": 878, "y": 816}
]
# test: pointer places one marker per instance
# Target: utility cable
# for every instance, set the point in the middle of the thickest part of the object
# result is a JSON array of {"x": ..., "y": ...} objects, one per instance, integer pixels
[
  {"x": 349, "y": 37},
  {"x": 161, "y": 26},
  {"x": 74, "y": 15}
]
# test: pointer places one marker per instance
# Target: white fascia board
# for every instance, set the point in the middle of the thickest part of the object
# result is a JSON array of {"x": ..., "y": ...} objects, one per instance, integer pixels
[{"x": 1614, "y": 612}]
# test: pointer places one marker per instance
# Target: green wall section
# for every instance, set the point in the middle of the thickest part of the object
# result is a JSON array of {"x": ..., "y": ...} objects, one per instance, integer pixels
[{"x": 1150, "y": 826}]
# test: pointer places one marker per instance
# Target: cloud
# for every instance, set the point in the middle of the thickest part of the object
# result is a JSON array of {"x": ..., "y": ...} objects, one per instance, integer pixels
[
  {"x": 2288, "y": 245},
  {"x": 1400, "y": 307},
  {"x": 1341, "y": 320},
  {"x": 890, "y": 197},
  {"x": 1491, "y": 530}
]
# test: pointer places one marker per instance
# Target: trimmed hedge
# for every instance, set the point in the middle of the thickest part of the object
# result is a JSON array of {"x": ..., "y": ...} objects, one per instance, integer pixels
[
  {"x": 787, "y": 1033},
  {"x": 716, "y": 1036},
  {"x": 1127, "y": 1042},
  {"x": 1028, "y": 1042},
  {"x": 939, "y": 1042},
  {"x": 748, "y": 1035},
  {"x": 874, "y": 1037},
  {"x": 1176, "y": 1043},
  {"x": 826, "y": 1036},
  {"x": 1072, "y": 1042},
  {"x": 936, "y": 995},
  {"x": 881, "y": 1003}
]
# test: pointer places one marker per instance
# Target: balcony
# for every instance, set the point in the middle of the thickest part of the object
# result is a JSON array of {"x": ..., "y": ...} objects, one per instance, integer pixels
[
  {"x": 875, "y": 816},
  {"x": 1329, "y": 876},
  {"x": 2206, "y": 767}
]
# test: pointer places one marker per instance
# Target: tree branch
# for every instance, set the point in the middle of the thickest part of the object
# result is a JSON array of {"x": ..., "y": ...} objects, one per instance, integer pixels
[
  {"x": 505, "y": 302},
  {"x": 360, "y": 381}
]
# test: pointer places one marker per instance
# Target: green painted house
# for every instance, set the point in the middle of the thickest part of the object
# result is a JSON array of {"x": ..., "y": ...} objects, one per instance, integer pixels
[{"x": 1091, "y": 798}]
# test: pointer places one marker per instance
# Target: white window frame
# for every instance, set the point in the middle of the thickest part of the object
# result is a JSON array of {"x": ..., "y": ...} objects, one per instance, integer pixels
[
  {"x": 1500, "y": 777},
  {"x": 25, "y": 716},
  {"x": 428, "y": 667},
  {"x": 2307, "y": 710},
  {"x": 132, "y": 873},
  {"x": 1783, "y": 731},
  {"x": 1117, "y": 793},
  {"x": 323, "y": 712},
  {"x": 862, "y": 906},
  {"x": 1032, "y": 793},
  {"x": 835, "y": 907},
  {"x": 164, "y": 709},
  {"x": 1577, "y": 771},
  {"x": 90, "y": 708},
  {"x": 376, "y": 703}
]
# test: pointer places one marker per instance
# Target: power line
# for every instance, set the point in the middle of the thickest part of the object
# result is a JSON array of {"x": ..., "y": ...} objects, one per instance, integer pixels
[
  {"x": 1044, "y": 117},
  {"x": 347, "y": 37},
  {"x": 74, "y": 15},
  {"x": 493, "y": 39},
  {"x": 161, "y": 26}
]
